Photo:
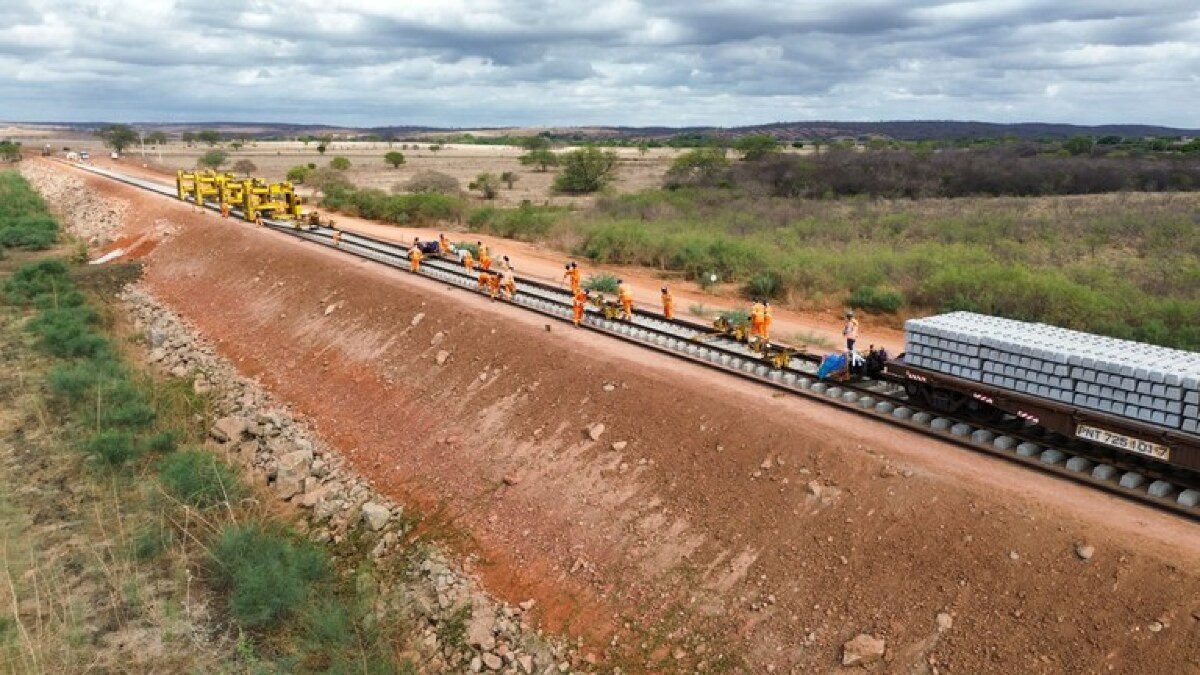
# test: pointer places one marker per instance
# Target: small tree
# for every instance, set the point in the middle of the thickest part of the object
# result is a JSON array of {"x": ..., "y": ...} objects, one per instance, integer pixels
[
  {"x": 542, "y": 159},
  {"x": 213, "y": 159},
  {"x": 237, "y": 144},
  {"x": 156, "y": 138},
  {"x": 487, "y": 184},
  {"x": 322, "y": 148},
  {"x": 10, "y": 151},
  {"x": 244, "y": 167},
  {"x": 1079, "y": 145},
  {"x": 395, "y": 158},
  {"x": 118, "y": 136},
  {"x": 702, "y": 166},
  {"x": 188, "y": 138},
  {"x": 436, "y": 148},
  {"x": 432, "y": 181},
  {"x": 339, "y": 163},
  {"x": 509, "y": 177},
  {"x": 586, "y": 170},
  {"x": 757, "y": 146},
  {"x": 326, "y": 180},
  {"x": 209, "y": 136},
  {"x": 298, "y": 173}
]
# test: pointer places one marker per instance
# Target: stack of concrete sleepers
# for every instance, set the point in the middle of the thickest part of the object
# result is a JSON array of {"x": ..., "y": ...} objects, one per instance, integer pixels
[{"x": 1142, "y": 382}]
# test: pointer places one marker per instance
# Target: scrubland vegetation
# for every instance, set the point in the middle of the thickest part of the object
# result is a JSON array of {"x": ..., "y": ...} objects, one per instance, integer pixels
[{"x": 174, "y": 525}]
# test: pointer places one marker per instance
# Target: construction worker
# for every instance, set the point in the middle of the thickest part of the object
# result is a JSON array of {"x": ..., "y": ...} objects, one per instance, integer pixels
[
  {"x": 625, "y": 296},
  {"x": 468, "y": 260},
  {"x": 574, "y": 276},
  {"x": 579, "y": 300},
  {"x": 766, "y": 334},
  {"x": 415, "y": 256},
  {"x": 850, "y": 331},
  {"x": 758, "y": 313},
  {"x": 505, "y": 263},
  {"x": 224, "y": 209},
  {"x": 493, "y": 285},
  {"x": 668, "y": 303},
  {"x": 337, "y": 237},
  {"x": 485, "y": 259},
  {"x": 443, "y": 245},
  {"x": 483, "y": 280},
  {"x": 509, "y": 277}
]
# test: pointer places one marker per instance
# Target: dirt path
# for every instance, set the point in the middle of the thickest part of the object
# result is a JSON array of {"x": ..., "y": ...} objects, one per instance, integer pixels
[{"x": 710, "y": 517}]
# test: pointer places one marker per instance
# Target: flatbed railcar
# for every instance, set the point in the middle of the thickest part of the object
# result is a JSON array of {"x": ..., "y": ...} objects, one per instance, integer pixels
[{"x": 954, "y": 395}]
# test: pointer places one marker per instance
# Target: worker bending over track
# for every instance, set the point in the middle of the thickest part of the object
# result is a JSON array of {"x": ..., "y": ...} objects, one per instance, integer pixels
[
  {"x": 509, "y": 277},
  {"x": 668, "y": 304},
  {"x": 758, "y": 313},
  {"x": 468, "y": 261},
  {"x": 625, "y": 296},
  {"x": 493, "y": 282},
  {"x": 415, "y": 256},
  {"x": 579, "y": 302}
]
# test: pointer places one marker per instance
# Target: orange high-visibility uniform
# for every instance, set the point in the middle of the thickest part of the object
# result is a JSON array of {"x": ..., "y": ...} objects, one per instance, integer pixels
[
  {"x": 668, "y": 305},
  {"x": 757, "y": 318},
  {"x": 485, "y": 260},
  {"x": 578, "y": 302},
  {"x": 766, "y": 333},
  {"x": 469, "y": 262},
  {"x": 443, "y": 245},
  {"x": 225, "y": 210},
  {"x": 625, "y": 295},
  {"x": 483, "y": 280},
  {"x": 510, "y": 283},
  {"x": 337, "y": 237},
  {"x": 494, "y": 285},
  {"x": 574, "y": 275},
  {"x": 414, "y": 259}
]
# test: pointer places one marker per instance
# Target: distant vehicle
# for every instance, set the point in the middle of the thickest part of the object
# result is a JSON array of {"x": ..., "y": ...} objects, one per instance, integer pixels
[
  {"x": 114, "y": 156},
  {"x": 84, "y": 156}
]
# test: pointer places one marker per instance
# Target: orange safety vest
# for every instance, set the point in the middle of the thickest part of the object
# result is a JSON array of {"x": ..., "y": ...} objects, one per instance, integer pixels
[{"x": 624, "y": 294}]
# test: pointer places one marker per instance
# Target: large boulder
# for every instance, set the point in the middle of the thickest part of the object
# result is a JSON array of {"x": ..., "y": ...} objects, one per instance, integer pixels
[
  {"x": 375, "y": 515},
  {"x": 229, "y": 429},
  {"x": 292, "y": 471}
]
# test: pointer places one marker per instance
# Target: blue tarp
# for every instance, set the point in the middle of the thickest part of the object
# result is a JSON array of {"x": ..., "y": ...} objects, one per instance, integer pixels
[{"x": 832, "y": 363}]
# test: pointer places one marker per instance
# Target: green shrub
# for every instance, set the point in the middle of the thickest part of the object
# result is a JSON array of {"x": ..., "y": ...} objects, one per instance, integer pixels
[
  {"x": 469, "y": 246},
  {"x": 150, "y": 541},
  {"x": 196, "y": 477},
  {"x": 735, "y": 317},
  {"x": 765, "y": 285},
  {"x": 525, "y": 223},
  {"x": 81, "y": 381},
  {"x": 298, "y": 173},
  {"x": 161, "y": 443},
  {"x": 113, "y": 447},
  {"x": 68, "y": 332},
  {"x": 124, "y": 406},
  {"x": 874, "y": 300},
  {"x": 24, "y": 220},
  {"x": 33, "y": 281},
  {"x": 269, "y": 576},
  {"x": 601, "y": 283},
  {"x": 422, "y": 207}
]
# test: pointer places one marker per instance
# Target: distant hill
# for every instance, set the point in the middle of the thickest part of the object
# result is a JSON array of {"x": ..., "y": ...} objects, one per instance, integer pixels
[{"x": 912, "y": 130}]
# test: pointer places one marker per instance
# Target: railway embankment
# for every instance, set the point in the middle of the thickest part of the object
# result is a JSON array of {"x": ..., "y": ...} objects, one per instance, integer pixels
[{"x": 666, "y": 516}]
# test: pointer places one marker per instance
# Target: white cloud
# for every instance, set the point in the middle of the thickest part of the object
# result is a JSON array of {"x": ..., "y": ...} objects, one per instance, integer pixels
[{"x": 634, "y": 62}]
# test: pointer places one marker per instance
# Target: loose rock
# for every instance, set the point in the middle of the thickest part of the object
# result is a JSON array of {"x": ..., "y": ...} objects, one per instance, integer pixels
[
  {"x": 1085, "y": 552},
  {"x": 442, "y": 357},
  {"x": 375, "y": 515},
  {"x": 944, "y": 622},
  {"x": 595, "y": 431},
  {"x": 863, "y": 650}
]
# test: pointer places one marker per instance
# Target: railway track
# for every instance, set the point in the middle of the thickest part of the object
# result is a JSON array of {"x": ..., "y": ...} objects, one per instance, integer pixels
[{"x": 1011, "y": 439}]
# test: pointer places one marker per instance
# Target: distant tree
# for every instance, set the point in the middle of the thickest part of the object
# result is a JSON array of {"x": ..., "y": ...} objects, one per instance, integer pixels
[
  {"x": 487, "y": 184},
  {"x": 436, "y": 148},
  {"x": 532, "y": 143},
  {"x": 395, "y": 158},
  {"x": 326, "y": 180},
  {"x": 542, "y": 159},
  {"x": 1110, "y": 140},
  {"x": 339, "y": 163},
  {"x": 10, "y": 151},
  {"x": 245, "y": 167},
  {"x": 237, "y": 144},
  {"x": 298, "y": 173},
  {"x": 1079, "y": 145},
  {"x": 509, "y": 177},
  {"x": 390, "y": 138},
  {"x": 118, "y": 136},
  {"x": 156, "y": 138},
  {"x": 586, "y": 170},
  {"x": 188, "y": 138},
  {"x": 757, "y": 146},
  {"x": 643, "y": 149},
  {"x": 213, "y": 159},
  {"x": 702, "y": 166},
  {"x": 209, "y": 136},
  {"x": 322, "y": 148},
  {"x": 797, "y": 144},
  {"x": 432, "y": 181}
]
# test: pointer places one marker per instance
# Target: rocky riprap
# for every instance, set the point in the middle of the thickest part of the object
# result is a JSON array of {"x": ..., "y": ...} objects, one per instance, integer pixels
[{"x": 463, "y": 629}]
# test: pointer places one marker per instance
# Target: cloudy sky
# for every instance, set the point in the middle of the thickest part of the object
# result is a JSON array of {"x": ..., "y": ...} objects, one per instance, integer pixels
[{"x": 580, "y": 62}]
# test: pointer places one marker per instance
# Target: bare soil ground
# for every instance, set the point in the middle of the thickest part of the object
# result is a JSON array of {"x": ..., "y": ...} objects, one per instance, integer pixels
[{"x": 711, "y": 518}]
